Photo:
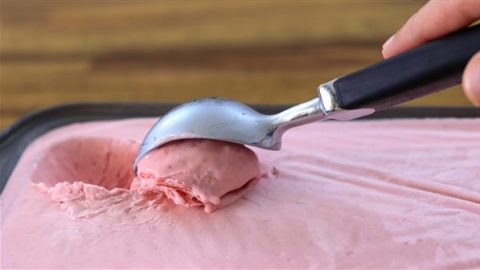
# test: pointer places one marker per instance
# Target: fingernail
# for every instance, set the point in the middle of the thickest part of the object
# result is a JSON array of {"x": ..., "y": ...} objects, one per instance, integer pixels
[
  {"x": 388, "y": 42},
  {"x": 472, "y": 83}
]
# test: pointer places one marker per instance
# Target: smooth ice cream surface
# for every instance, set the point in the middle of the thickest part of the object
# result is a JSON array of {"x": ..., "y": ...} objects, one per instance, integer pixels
[
  {"x": 361, "y": 194},
  {"x": 198, "y": 172}
]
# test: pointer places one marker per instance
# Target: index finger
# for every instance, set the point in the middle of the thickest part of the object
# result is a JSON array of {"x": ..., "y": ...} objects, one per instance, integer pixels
[{"x": 433, "y": 20}]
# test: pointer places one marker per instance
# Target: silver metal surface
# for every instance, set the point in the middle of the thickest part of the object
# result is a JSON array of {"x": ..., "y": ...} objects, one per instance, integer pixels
[
  {"x": 228, "y": 120},
  {"x": 326, "y": 93}
]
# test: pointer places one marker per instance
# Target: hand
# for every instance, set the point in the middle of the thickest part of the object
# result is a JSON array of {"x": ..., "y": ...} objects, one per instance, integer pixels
[{"x": 435, "y": 19}]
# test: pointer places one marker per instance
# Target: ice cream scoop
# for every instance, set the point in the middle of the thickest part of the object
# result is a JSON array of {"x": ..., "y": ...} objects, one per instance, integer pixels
[{"x": 429, "y": 68}]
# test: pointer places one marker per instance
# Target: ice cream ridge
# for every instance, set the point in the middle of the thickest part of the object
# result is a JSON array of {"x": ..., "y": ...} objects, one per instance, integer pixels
[{"x": 198, "y": 172}]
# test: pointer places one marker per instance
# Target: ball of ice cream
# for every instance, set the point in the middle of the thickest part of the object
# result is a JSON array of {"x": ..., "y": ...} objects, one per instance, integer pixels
[{"x": 198, "y": 172}]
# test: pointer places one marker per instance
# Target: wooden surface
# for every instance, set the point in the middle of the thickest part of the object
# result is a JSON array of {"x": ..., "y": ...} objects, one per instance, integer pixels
[{"x": 255, "y": 51}]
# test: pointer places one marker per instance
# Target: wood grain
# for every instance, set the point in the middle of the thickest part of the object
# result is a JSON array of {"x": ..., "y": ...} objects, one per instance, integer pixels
[{"x": 255, "y": 51}]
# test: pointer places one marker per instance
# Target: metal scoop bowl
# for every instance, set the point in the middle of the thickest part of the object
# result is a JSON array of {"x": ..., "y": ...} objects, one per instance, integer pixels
[{"x": 232, "y": 121}]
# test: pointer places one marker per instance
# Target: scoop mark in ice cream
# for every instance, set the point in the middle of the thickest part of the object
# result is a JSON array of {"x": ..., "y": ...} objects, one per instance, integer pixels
[
  {"x": 99, "y": 161},
  {"x": 87, "y": 174}
]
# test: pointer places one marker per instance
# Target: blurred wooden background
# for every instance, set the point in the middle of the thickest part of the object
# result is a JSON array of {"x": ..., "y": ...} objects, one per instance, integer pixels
[{"x": 172, "y": 51}]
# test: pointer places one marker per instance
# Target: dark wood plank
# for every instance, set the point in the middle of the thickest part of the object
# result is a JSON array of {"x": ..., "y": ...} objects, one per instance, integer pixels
[{"x": 255, "y": 51}]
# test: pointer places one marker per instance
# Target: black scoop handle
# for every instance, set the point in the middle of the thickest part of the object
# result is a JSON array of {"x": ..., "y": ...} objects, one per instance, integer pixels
[{"x": 420, "y": 71}]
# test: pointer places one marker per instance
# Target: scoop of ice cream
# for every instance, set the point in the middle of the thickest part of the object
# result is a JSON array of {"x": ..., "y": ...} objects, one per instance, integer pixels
[{"x": 198, "y": 172}]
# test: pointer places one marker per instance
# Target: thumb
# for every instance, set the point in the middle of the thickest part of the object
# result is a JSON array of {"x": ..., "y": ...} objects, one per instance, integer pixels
[{"x": 471, "y": 79}]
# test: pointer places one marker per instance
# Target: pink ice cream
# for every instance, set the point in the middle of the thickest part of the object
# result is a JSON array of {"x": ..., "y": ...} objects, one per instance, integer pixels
[
  {"x": 198, "y": 172},
  {"x": 367, "y": 194}
]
